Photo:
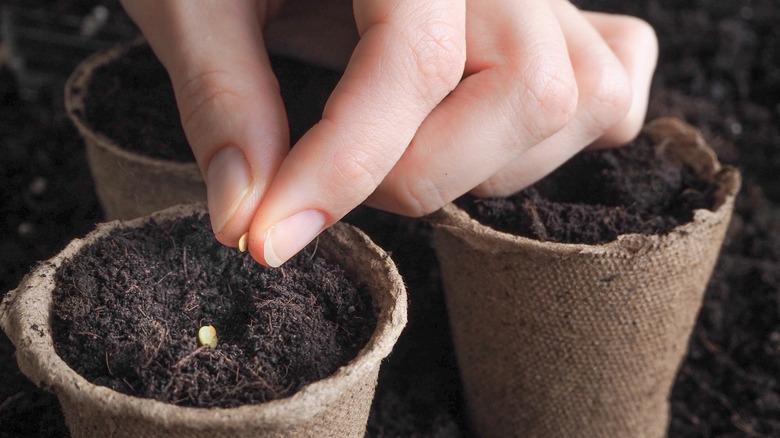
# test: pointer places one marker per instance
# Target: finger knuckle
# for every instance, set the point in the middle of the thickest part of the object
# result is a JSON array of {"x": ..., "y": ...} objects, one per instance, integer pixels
[
  {"x": 355, "y": 173},
  {"x": 641, "y": 33},
  {"x": 610, "y": 99},
  {"x": 549, "y": 97},
  {"x": 488, "y": 188},
  {"x": 417, "y": 196},
  {"x": 439, "y": 57},
  {"x": 499, "y": 185},
  {"x": 202, "y": 95}
]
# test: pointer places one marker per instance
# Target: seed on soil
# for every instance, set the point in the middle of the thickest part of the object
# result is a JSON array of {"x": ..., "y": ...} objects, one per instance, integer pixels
[{"x": 207, "y": 335}]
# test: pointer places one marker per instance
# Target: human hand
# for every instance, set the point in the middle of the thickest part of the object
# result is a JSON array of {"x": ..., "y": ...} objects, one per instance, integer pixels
[{"x": 438, "y": 98}]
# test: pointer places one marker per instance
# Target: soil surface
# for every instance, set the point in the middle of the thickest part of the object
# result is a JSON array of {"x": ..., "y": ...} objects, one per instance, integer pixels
[
  {"x": 128, "y": 309},
  {"x": 599, "y": 195},
  {"x": 132, "y": 102},
  {"x": 719, "y": 70}
]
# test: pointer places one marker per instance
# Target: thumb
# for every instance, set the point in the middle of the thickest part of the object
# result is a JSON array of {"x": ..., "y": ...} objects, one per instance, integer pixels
[{"x": 228, "y": 98}]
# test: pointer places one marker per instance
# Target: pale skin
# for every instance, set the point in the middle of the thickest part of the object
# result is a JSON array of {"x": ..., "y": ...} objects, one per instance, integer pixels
[{"x": 438, "y": 98}]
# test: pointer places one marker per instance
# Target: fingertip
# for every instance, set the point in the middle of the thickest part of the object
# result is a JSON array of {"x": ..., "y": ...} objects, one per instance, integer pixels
[
  {"x": 281, "y": 241},
  {"x": 233, "y": 195},
  {"x": 289, "y": 236},
  {"x": 228, "y": 179},
  {"x": 635, "y": 43},
  {"x": 239, "y": 220}
]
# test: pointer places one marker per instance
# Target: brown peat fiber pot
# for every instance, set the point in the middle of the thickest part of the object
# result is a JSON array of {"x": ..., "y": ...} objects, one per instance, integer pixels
[
  {"x": 584, "y": 339},
  {"x": 111, "y": 325},
  {"x": 118, "y": 95}
]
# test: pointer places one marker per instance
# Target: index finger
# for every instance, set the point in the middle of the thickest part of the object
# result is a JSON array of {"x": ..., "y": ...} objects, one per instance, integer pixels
[
  {"x": 410, "y": 55},
  {"x": 228, "y": 97}
]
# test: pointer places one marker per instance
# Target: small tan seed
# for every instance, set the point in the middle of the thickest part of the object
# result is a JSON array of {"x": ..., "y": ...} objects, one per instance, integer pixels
[
  {"x": 242, "y": 242},
  {"x": 207, "y": 335}
]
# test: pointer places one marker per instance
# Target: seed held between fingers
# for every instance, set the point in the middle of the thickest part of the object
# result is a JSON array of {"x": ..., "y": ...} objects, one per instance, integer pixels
[
  {"x": 242, "y": 242},
  {"x": 207, "y": 335}
]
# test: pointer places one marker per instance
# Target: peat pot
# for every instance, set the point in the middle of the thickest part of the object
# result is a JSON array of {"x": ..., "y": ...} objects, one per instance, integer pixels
[
  {"x": 334, "y": 406},
  {"x": 129, "y": 184},
  {"x": 580, "y": 340}
]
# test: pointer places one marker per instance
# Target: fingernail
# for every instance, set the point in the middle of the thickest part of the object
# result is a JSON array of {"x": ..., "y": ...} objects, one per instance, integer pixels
[
  {"x": 288, "y": 237},
  {"x": 228, "y": 178}
]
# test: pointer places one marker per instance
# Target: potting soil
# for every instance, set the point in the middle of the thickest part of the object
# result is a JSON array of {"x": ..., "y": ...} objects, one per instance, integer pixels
[
  {"x": 128, "y": 310},
  {"x": 599, "y": 195},
  {"x": 132, "y": 102}
]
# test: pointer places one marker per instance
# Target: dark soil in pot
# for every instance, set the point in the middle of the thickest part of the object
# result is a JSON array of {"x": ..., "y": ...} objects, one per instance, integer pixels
[
  {"x": 599, "y": 195},
  {"x": 128, "y": 309},
  {"x": 718, "y": 70},
  {"x": 132, "y": 102}
]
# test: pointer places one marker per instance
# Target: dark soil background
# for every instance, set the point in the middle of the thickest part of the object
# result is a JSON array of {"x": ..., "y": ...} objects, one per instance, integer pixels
[{"x": 719, "y": 70}]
